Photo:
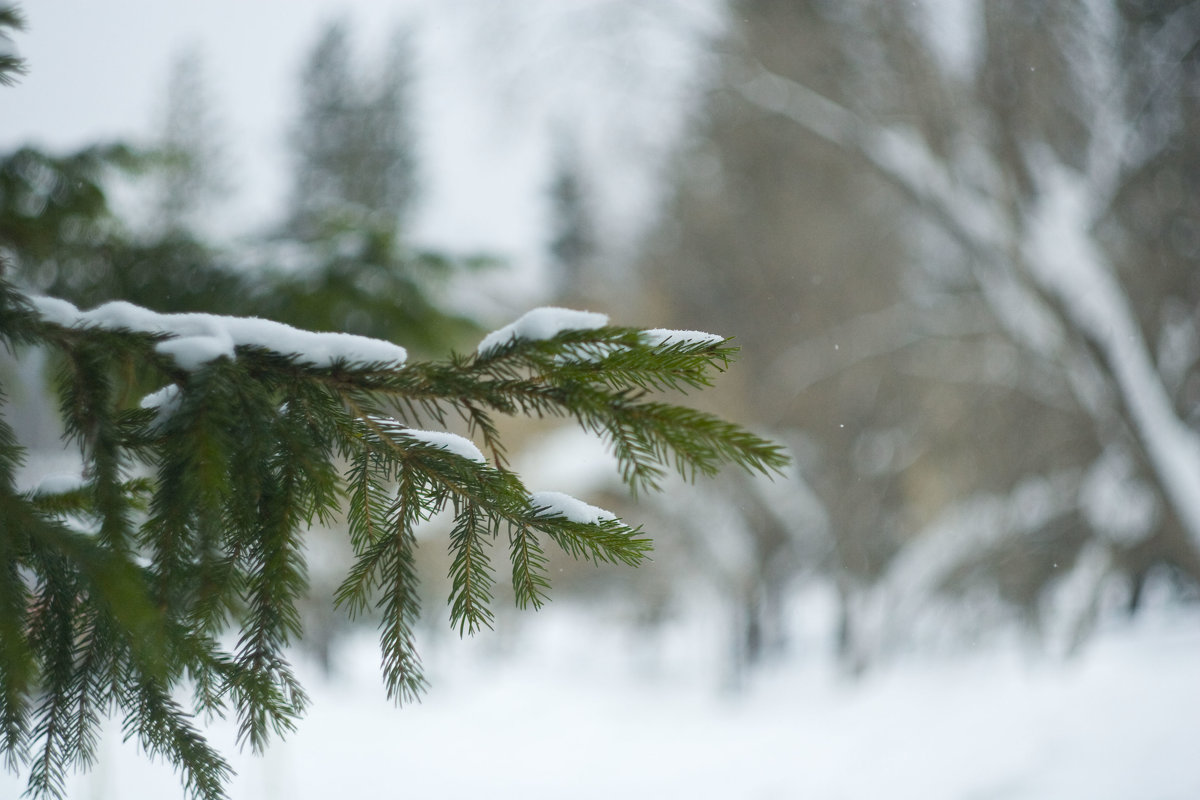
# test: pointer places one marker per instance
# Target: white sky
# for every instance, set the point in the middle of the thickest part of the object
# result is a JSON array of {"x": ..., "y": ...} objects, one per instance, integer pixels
[{"x": 494, "y": 83}]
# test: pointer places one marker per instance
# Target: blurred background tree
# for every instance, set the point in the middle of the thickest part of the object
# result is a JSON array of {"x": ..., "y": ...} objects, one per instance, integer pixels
[
  {"x": 194, "y": 171},
  {"x": 966, "y": 280},
  {"x": 352, "y": 143},
  {"x": 573, "y": 248}
]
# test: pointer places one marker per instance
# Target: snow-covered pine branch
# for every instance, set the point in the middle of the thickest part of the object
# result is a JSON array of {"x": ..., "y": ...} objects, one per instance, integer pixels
[{"x": 211, "y": 444}]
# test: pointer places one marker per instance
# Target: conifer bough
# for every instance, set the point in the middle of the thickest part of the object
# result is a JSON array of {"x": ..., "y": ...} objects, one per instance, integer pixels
[{"x": 173, "y": 568}]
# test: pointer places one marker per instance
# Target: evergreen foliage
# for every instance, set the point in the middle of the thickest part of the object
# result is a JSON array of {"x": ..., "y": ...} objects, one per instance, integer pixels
[
  {"x": 163, "y": 586},
  {"x": 120, "y": 593},
  {"x": 352, "y": 145}
]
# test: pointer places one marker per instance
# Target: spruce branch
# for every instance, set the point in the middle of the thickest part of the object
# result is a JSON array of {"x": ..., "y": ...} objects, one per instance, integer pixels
[
  {"x": 369, "y": 527},
  {"x": 11, "y": 65},
  {"x": 190, "y": 520},
  {"x": 51, "y": 634},
  {"x": 530, "y": 584},
  {"x": 163, "y": 728},
  {"x": 471, "y": 570},
  {"x": 619, "y": 358},
  {"x": 16, "y": 656},
  {"x": 92, "y": 685},
  {"x": 606, "y": 541},
  {"x": 402, "y": 672}
]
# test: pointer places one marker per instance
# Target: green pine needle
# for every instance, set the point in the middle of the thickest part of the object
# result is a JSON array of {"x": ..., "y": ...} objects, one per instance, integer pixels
[{"x": 189, "y": 525}]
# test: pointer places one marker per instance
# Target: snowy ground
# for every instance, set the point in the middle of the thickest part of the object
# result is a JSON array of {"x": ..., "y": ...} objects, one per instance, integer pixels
[{"x": 559, "y": 711}]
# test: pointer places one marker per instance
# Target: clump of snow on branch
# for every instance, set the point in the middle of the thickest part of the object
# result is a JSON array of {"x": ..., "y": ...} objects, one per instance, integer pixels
[
  {"x": 540, "y": 324},
  {"x": 660, "y": 337},
  {"x": 459, "y": 445},
  {"x": 572, "y": 509},
  {"x": 164, "y": 398},
  {"x": 167, "y": 400},
  {"x": 197, "y": 339}
]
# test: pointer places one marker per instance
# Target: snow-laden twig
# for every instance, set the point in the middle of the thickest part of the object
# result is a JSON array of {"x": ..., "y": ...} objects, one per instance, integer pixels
[{"x": 194, "y": 340}]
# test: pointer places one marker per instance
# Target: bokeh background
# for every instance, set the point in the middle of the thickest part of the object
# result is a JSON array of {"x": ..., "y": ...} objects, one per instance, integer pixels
[{"x": 957, "y": 241}]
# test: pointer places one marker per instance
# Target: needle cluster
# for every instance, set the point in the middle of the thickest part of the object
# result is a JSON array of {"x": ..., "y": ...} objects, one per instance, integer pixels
[{"x": 163, "y": 586}]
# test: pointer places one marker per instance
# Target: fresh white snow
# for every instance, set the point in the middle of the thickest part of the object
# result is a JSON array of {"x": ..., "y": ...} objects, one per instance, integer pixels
[
  {"x": 166, "y": 400},
  {"x": 459, "y": 445},
  {"x": 165, "y": 397},
  {"x": 570, "y": 706},
  {"x": 540, "y": 324},
  {"x": 558, "y": 504},
  {"x": 657, "y": 337},
  {"x": 197, "y": 339}
]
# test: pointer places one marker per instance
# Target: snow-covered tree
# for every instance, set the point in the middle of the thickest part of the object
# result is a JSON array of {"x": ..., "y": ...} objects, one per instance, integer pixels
[{"x": 959, "y": 237}]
